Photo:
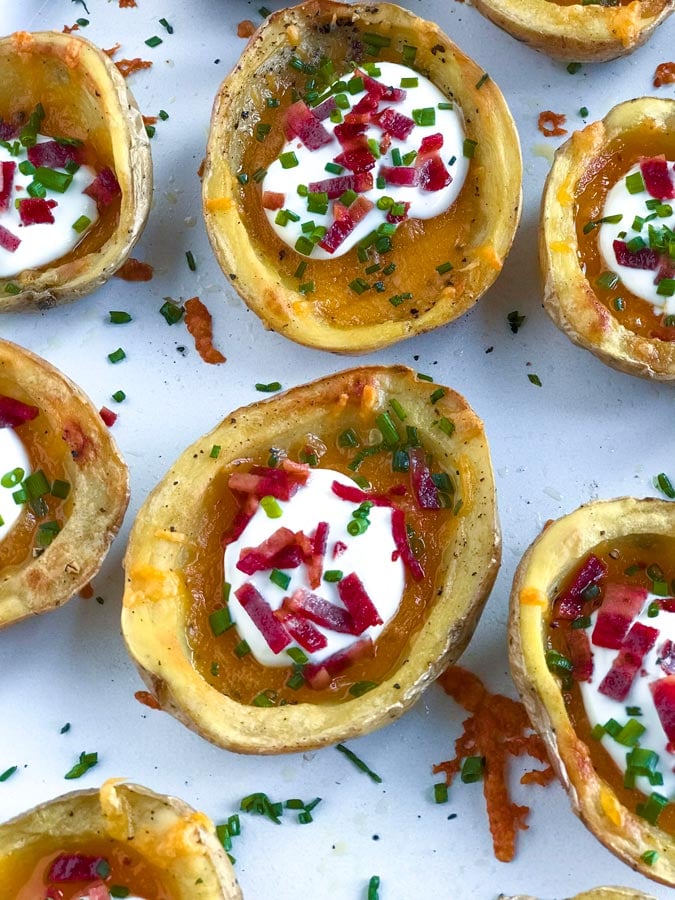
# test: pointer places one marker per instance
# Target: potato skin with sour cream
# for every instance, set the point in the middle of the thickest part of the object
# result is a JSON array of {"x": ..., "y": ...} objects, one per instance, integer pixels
[
  {"x": 475, "y": 235},
  {"x": 157, "y": 598},
  {"x": 553, "y": 556}
]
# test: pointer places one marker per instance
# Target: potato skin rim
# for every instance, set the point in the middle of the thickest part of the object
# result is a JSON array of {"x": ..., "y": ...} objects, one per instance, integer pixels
[
  {"x": 99, "y": 482},
  {"x": 569, "y": 299},
  {"x": 547, "y": 561},
  {"x": 157, "y": 823},
  {"x": 52, "y": 285},
  {"x": 153, "y": 620},
  {"x": 257, "y": 280}
]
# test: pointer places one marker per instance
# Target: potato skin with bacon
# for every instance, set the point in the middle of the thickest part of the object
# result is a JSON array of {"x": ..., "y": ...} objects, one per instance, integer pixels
[
  {"x": 99, "y": 487},
  {"x": 86, "y": 98},
  {"x": 553, "y": 555},
  {"x": 164, "y": 831},
  {"x": 157, "y": 599},
  {"x": 332, "y": 29},
  {"x": 569, "y": 297},
  {"x": 584, "y": 33}
]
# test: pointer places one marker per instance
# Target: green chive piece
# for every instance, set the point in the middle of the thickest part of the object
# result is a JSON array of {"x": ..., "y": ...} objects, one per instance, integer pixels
[
  {"x": 150, "y": 130},
  {"x": 46, "y": 533},
  {"x": 163, "y": 114},
  {"x": 296, "y": 681},
  {"x": 534, "y": 379},
  {"x": 481, "y": 81},
  {"x": 154, "y": 41},
  {"x": 436, "y": 395},
  {"x": 666, "y": 287},
  {"x": 630, "y": 733},
  {"x": 12, "y": 288},
  {"x": 220, "y": 621},
  {"x": 332, "y": 575},
  {"x": 263, "y": 699},
  {"x": 469, "y": 148},
  {"x": 242, "y": 649},
  {"x": 288, "y": 160},
  {"x": 359, "y": 688},
  {"x": 281, "y": 579},
  {"x": 348, "y": 438},
  {"x": 446, "y": 426},
  {"x": 633, "y": 711},
  {"x": 242, "y": 178},
  {"x": 582, "y": 622},
  {"x": 374, "y": 888},
  {"x": 215, "y": 451},
  {"x": 192, "y": 265},
  {"x": 558, "y": 663},
  {"x": 117, "y": 355},
  {"x": 81, "y": 224},
  {"x": 652, "y": 809},
  {"x": 358, "y": 285},
  {"x": 171, "y": 311},
  {"x": 60, "y": 489},
  {"x": 665, "y": 485},
  {"x": 390, "y": 434},
  {"x": 271, "y": 507},
  {"x": 598, "y": 732},
  {"x": 118, "y": 317},
  {"x": 87, "y": 761},
  {"x": 258, "y": 175},
  {"x": 36, "y": 485},
  {"x": 425, "y": 116},
  {"x": 443, "y": 268},
  {"x": 472, "y": 769},
  {"x": 268, "y": 388},
  {"x": 573, "y": 67},
  {"x": 401, "y": 414},
  {"x": 440, "y": 792},
  {"x": 649, "y": 857},
  {"x": 11, "y": 479},
  {"x": 352, "y": 757},
  {"x": 635, "y": 183},
  {"x": 8, "y": 773},
  {"x": 583, "y": 112}
]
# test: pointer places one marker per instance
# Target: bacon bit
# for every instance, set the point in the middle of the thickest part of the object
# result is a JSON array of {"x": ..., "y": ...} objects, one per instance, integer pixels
[
  {"x": 273, "y": 200},
  {"x": 86, "y": 591},
  {"x": 127, "y": 67},
  {"x": 111, "y": 51},
  {"x": 69, "y": 867},
  {"x": 664, "y": 74},
  {"x": 245, "y": 28},
  {"x": 550, "y": 123},
  {"x": 200, "y": 170},
  {"x": 149, "y": 120},
  {"x": 13, "y": 412},
  {"x": 135, "y": 270},
  {"x": 69, "y": 29},
  {"x": 108, "y": 416},
  {"x": 319, "y": 675},
  {"x": 127, "y": 4},
  {"x": 147, "y": 699},
  {"x": 495, "y": 729},
  {"x": 200, "y": 325}
]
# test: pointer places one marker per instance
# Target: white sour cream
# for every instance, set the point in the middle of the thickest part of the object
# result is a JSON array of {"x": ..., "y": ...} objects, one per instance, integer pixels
[
  {"x": 368, "y": 554},
  {"x": 312, "y": 164},
  {"x": 640, "y": 282},
  {"x": 13, "y": 455},
  {"x": 600, "y": 708},
  {"x": 44, "y": 243}
]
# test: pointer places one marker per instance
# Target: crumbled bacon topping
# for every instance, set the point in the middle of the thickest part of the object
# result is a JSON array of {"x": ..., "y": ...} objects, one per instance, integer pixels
[
  {"x": 550, "y": 123},
  {"x": 200, "y": 325},
  {"x": 129, "y": 66}
]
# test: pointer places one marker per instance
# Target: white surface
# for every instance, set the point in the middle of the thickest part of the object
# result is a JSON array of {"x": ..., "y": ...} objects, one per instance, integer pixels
[{"x": 587, "y": 432}]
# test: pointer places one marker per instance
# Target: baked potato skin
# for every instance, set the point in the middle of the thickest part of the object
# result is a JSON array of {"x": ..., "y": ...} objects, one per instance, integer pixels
[
  {"x": 568, "y": 296},
  {"x": 99, "y": 488},
  {"x": 165, "y": 831},
  {"x": 94, "y": 104},
  {"x": 324, "y": 25},
  {"x": 600, "y": 893},
  {"x": 156, "y": 597},
  {"x": 586, "y": 34},
  {"x": 549, "y": 559}
]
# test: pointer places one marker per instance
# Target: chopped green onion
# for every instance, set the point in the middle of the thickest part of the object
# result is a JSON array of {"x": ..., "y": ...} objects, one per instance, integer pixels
[
  {"x": 192, "y": 265},
  {"x": 117, "y": 355},
  {"x": 534, "y": 379},
  {"x": 220, "y": 621},
  {"x": 573, "y": 67},
  {"x": 46, "y": 533},
  {"x": 481, "y": 81},
  {"x": 472, "y": 769},
  {"x": 401, "y": 414},
  {"x": 358, "y": 763},
  {"x": 666, "y": 287},
  {"x": 296, "y": 681},
  {"x": 583, "y": 112},
  {"x": 635, "y": 183},
  {"x": 332, "y": 575},
  {"x": 87, "y": 761},
  {"x": 171, "y": 311},
  {"x": 589, "y": 226},
  {"x": 334, "y": 168},
  {"x": 60, "y": 489},
  {"x": 630, "y": 733},
  {"x": 362, "y": 687},
  {"x": 154, "y": 41},
  {"x": 649, "y": 857},
  {"x": 436, "y": 395},
  {"x": 390, "y": 434},
  {"x": 581, "y": 622},
  {"x": 443, "y": 268},
  {"x": 215, "y": 451},
  {"x": 11, "y": 479},
  {"x": 558, "y": 663},
  {"x": 242, "y": 178},
  {"x": 446, "y": 426},
  {"x": 259, "y": 174},
  {"x": 81, "y": 224},
  {"x": 281, "y": 579},
  {"x": 53, "y": 180},
  {"x": 262, "y": 699},
  {"x": 268, "y": 388},
  {"x": 262, "y": 129},
  {"x": 8, "y": 773},
  {"x": 424, "y": 117},
  {"x": 163, "y": 114},
  {"x": 469, "y": 148},
  {"x": 359, "y": 286},
  {"x": 242, "y": 649},
  {"x": 652, "y": 809},
  {"x": 440, "y": 792},
  {"x": 117, "y": 317},
  {"x": 665, "y": 485},
  {"x": 374, "y": 888},
  {"x": 36, "y": 485},
  {"x": 271, "y": 507},
  {"x": 12, "y": 288},
  {"x": 150, "y": 130}
]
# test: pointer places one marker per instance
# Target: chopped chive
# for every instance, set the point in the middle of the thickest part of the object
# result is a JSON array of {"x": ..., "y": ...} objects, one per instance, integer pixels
[
  {"x": 589, "y": 226},
  {"x": 573, "y": 67},
  {"x": 635, "y": 183},
  {"x": 171, "y": 311},
  {"x": 358, "y": 285},
  {"x": 150, "y": 130},
  {"x": 665, "y": 485},
  {"x": 242, "y": 649},
  {"x": 649, "y": 857},
  {"x": 8, "y": 773},
  {"x": 630, "y": 733},
  {"x": 469, "y": 148},
  {"x": 119, "y": 396},
  {"x": 154, "y": 41},
  {"x": 583, "y": 112},
  {"x": 443, "y": 268},
  {"x": 300, "y": 271},
  {"x": 362, "y": 687},
  {"x": 581, "y": 622},
  {"x": 425, "y": 116},
  {"x": 558, "y": 663},
  {"x": 440, "y": 792},
  {"x": 81, "y": 224},
  {"x": 60, "y": 489},
  {"x": 481, "y": 81},
  {"x": 534, "y": 379},
  {"x": 87, "y": 761},
  {"x": 307, "y": 287},
  {"x": 446, "y": 105},
  {"x": 259, "y": 174},
  {"x": 281, "y": 579},
  {"x": 304, "y": 245},
  {"x": 12, "y": 288},
  {"x": 422, "y": 377},
  {"x": 118, "y": 317},
  {"x": 271, "y": 507},
  {"x": 409, "y": 82},
  {"x": 163, "y": 114},
  {"x": 438, "y": 394},
  {"x": 401, "y": 414},
  {"x": 166, "y": 25},
  {"x": 117, "y": 355},
  {"x": 268, "y": 388},
  {"x": 53, "y": 180},
  {"x": 332, "y": 575},
  {"x": 192, "y": 265},
  {"x": 242, "y": 178},
  {"x": 358, "y": 763},
  {"x": 263, "y": 699},
  {"x": 666, "y": 287},
  {"x": 446, "y": 426},
  {"x": 652, "y": 809},
  {"x": 348, "y": 438},
  {"x": 220, "y": 621},
  {"x": 472, "y": 769},
  {"x": 215, "y": 451},
  {"x": 374, "y": 887},
  {"x": 262, "y": 129}
]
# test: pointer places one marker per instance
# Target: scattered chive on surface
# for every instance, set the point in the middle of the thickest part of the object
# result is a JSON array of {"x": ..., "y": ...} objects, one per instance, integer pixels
[{"x": 358, "y": 763}]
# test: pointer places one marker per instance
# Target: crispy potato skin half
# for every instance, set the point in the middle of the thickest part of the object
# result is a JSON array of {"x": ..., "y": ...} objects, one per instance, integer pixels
[
  {"x": 600, "y": 893},
  {"x": 576, "y": 32},
  {"x": 318, "y": 27},
  {"x": 156, "y": 598},
  {"x": 99, "y": 489},
  {"x": 84, "y": 93},
  {"x": 569, "y": 298},
  {"x": 165, "y": 831},
  {"x": 549, "y": 559}
]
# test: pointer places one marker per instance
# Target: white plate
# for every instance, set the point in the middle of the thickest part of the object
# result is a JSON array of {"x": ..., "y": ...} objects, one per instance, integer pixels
[{"x": 587, "y": 432}]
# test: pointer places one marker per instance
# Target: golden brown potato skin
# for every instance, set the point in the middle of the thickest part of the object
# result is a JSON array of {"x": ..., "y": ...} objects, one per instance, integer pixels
[
  {"x": 164, "y": 830},
  {"x": 82, "y": 89},
  {"x": 554, "y": 554},
  {"x": 600, "y": 893},
  {"x": 99, "y": 488},
  {"x": 325, "y": 25},
  {"x": 569, "y": 298},
  {"x": 579, "y": 33},
  {"x": 156, "y": 598}
]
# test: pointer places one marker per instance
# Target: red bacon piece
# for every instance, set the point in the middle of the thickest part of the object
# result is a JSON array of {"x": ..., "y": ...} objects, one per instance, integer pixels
[
  {"x": 663, "y": 692},
  {"x": 35, "y": 211},
  {"x": 241, "y": 520},
  {"x": 320, "y": 611},
  {"x": 53, "y": 155},
  {"x": 359, "y": 159},
  {"x": 433, "y": 176},
  {"x": 338, "y": 549},
  {"x": 335, "y": 187},
  {"x": 304, "y": 633},
  {"x": 367, "y": 104},
  {"x": 298, "y": 471},
  {"x": 315, "y": 561},
  {"x": 354, "y": 596},
  {"x": 569, "y": 604},
  {"x": 302, "y": 124},
  {"x": 14, "y": 412},
  {"x": 347, "y": 132},
  {"x": 338, "y": 232},
  {"x": 641, "y": 259},
  {"x": 8, "y": 241},
  {"x": 319, "y": 675},
  {"x": 658, "y": 180},
  {"x": 355, "y": 495},
  {"x": 264, "y": 481},
  {"x": 104, "y": 188},
  {"x": 579, "y": 646},
  {"x": 400, "y": 536},
  {"x": 403, "y": 176},
  {"x": 423, "y": 487},
  {"x": 7, "y": 131},
  {"x": 263, "y": 557},
  {"x": 273, "y": 200},
  {"x": 666, "y": 657},
  {"x": 98, "y": 891},
  {"x": 108, "y": 416},
  {"x": 323, "y": 110},
  {"x": 432, "y": 143},
  {"x": 620, "y": 605},
  {"x": 263, "y": 618},
  {"x": 394, "y": 123},
  {"x": 75, "y": 867},
  {"x": 7, "y": 172},
  {"x": 637, "y": 643}
]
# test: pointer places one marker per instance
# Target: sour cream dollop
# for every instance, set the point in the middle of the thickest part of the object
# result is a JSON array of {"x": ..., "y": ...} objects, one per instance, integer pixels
[
  {"x": 371, "y": 555},
  {"x": 600, "y": 708},
  {"x": 423, "y": 102},
  {"x": 632, "y": 211},
  {"x": 44, "y": 242},
  {"x": 13, "y": 456}
]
